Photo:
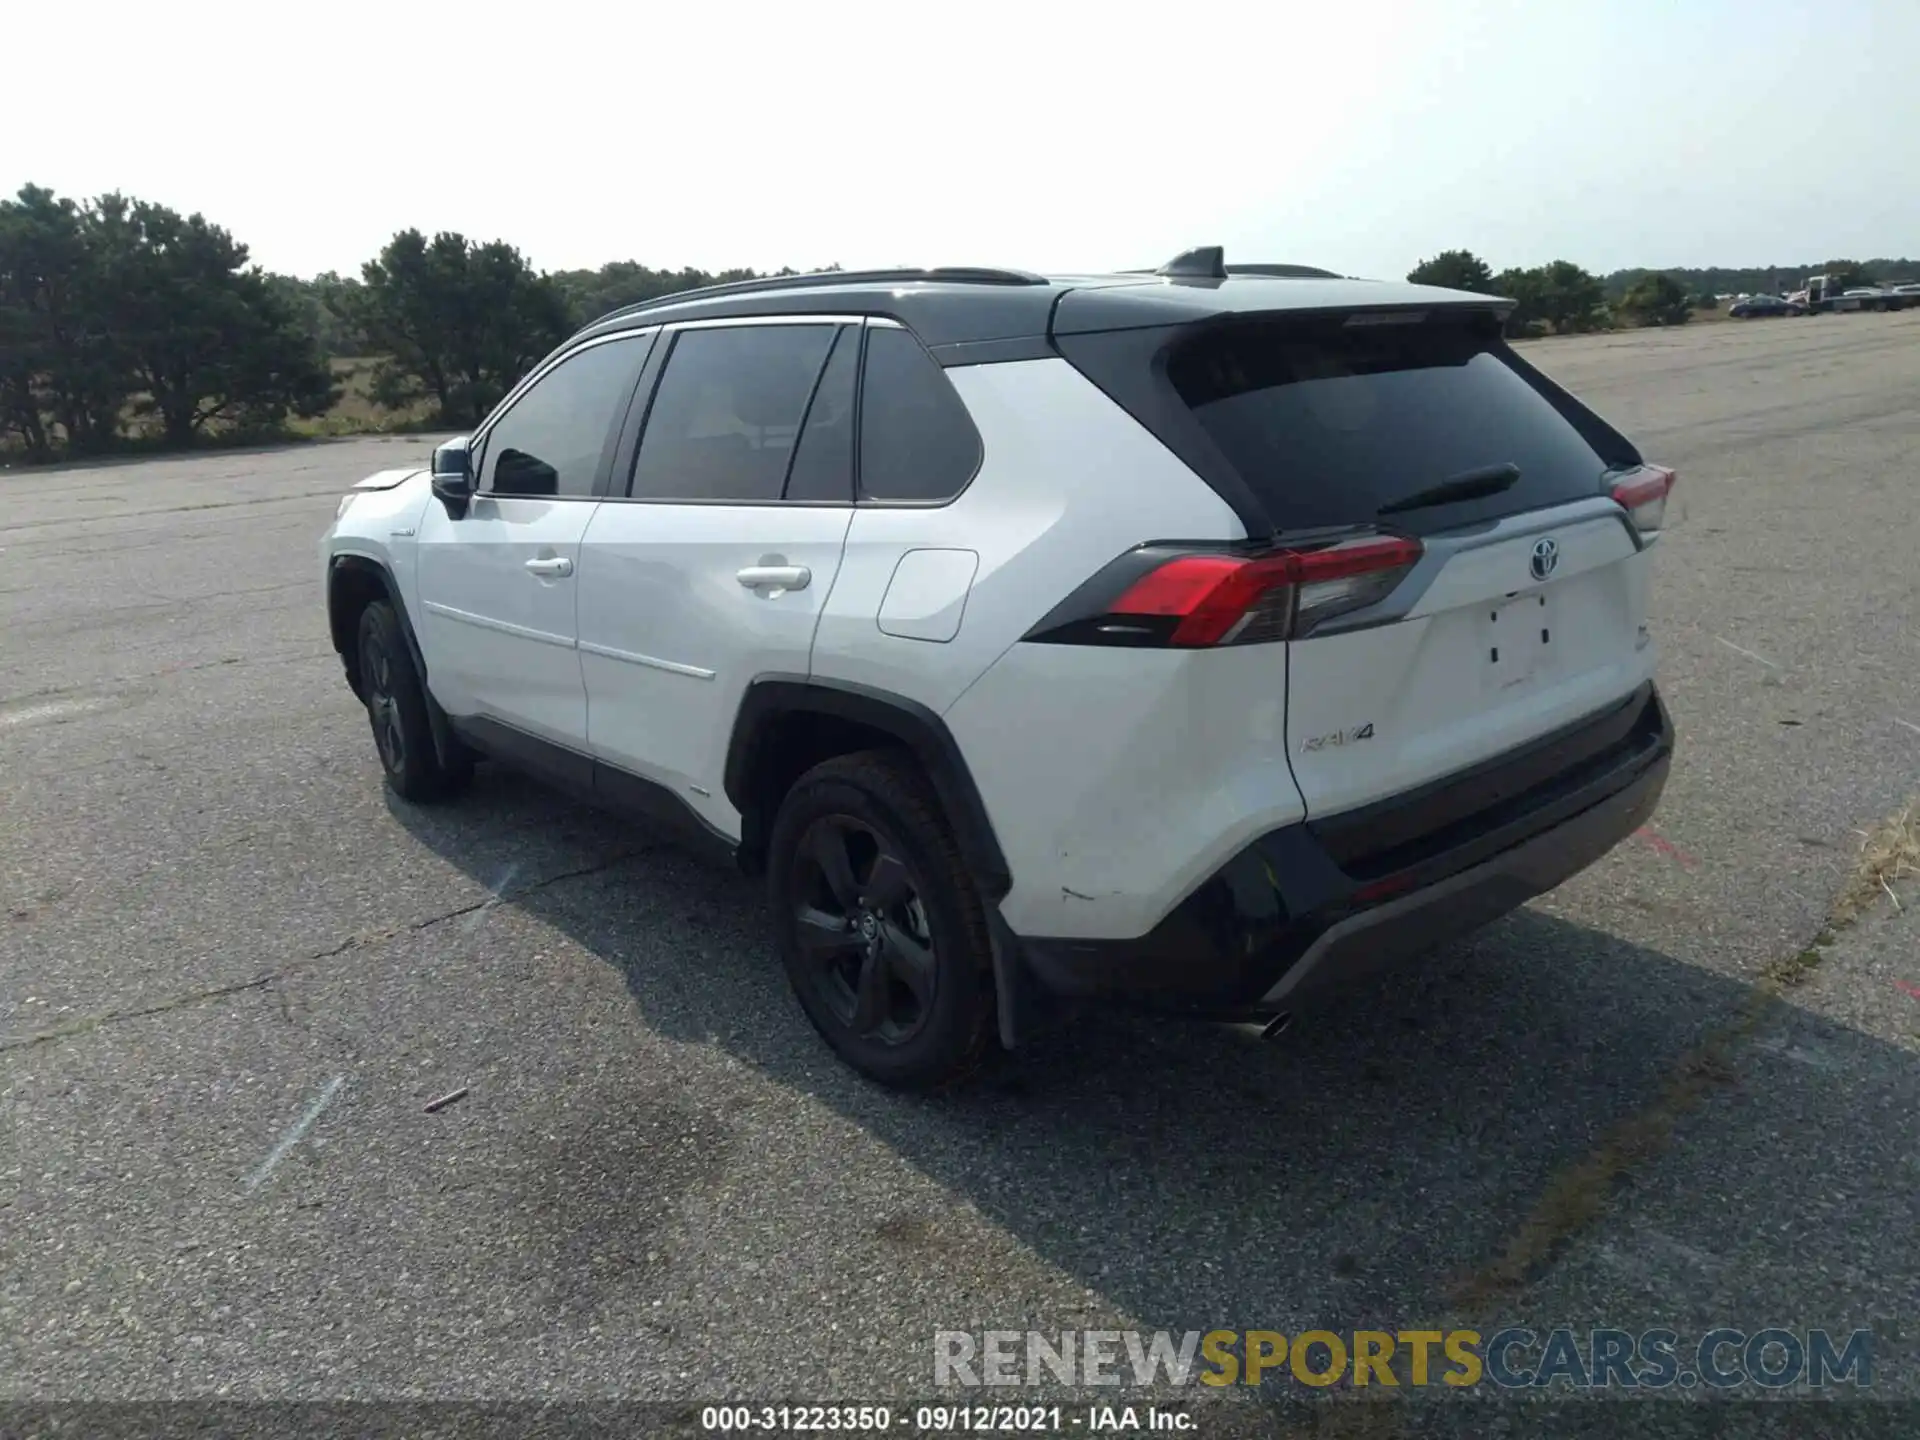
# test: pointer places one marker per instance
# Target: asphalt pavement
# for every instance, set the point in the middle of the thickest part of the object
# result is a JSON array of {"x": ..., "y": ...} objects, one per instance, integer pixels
[{"x": 234, "y": 972}]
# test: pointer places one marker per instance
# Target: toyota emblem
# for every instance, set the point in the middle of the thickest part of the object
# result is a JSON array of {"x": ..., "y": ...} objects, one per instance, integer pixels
[{"x": 1546, "y": 555}]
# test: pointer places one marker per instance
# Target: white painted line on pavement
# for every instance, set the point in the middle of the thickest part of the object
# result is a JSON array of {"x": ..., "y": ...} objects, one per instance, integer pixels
[
  {"x": 1741, "y": 650},
  {"x": 51, "y": 710},
  {"x": 472, "y": 922},
  {"x": 294, "y": 1136}
]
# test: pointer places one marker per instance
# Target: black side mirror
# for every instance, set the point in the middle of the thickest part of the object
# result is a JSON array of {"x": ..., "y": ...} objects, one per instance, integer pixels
[{"x": 453, "y": 476}]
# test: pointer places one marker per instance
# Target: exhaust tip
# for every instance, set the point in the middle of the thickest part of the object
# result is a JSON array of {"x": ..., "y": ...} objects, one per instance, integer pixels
[{"x": 1277, "y": 1026}]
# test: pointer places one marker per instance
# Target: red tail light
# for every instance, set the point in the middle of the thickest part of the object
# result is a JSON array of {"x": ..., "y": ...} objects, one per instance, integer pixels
[
  {"x": 1643, "y": 495},
  {"x": 1192, "y": 600}
]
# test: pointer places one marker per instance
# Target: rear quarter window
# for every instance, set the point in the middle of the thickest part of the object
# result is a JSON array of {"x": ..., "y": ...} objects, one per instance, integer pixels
[
  {"x": 917, "y": 442},
  {"x": 1326, "y": 422}
]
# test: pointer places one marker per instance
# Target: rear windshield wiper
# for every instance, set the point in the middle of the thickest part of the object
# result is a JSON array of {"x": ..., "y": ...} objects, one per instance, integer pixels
[{"x": 1467, "y": 485}]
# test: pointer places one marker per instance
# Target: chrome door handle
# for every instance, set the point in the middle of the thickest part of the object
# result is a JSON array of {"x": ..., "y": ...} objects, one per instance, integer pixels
[
  {"x": 558, "y": 565},
  {"x": 775, "y": 577}
]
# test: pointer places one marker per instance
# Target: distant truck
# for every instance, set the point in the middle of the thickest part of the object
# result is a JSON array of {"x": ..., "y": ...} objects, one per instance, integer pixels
[{"x": 1824, "y": 297}]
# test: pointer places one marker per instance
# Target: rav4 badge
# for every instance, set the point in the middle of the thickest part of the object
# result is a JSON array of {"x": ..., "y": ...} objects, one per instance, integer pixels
[{"x": 1339, "y": 738}]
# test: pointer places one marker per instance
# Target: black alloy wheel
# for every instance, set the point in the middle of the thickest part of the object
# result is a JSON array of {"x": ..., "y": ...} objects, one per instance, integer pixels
[
  {"x": 883, "y": 932},
  {"x": 383, "y": 709},
  {"x": 397, "y": 710},
  {"x": 862, "y": 926}
]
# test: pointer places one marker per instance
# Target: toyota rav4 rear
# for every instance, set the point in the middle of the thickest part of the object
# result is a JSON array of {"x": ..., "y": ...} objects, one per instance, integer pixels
[
  {"x": 1192, "y": 638},
  {"x": 1415, "y": 691}
]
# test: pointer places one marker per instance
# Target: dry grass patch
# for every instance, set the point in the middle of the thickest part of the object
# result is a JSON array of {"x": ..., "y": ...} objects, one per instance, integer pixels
[
  {"x": 1889, "y": 852},
  {"x": 1577, "y": 1196}
]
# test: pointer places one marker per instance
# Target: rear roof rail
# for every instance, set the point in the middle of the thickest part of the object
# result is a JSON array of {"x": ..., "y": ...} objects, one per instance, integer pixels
[
  {"x": 946, "y": 274},
  {"x": 1289, "y": 272}
]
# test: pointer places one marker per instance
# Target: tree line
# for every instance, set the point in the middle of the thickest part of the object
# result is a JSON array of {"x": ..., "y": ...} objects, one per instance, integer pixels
[
  {"x": 123, "y": 322},
  {"x": 122, "y": 309},
  {"x": 1564, "y": 299}
]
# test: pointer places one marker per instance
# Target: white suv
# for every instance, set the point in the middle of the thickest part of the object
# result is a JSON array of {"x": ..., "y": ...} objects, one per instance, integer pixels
[{"x": 1186, "y": 639}]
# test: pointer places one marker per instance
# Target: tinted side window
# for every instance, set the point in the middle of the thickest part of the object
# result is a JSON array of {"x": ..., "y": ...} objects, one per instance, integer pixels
[
  {"x": 727, "y": 412},
  {"x": 823, "y": 462},
  {"x": 550, "y": 442},
  {"x": 917, "y": 441}
]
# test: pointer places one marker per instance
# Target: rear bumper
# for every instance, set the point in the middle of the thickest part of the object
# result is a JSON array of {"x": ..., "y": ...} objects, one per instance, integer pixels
[{"x": 1308, "y": 908}]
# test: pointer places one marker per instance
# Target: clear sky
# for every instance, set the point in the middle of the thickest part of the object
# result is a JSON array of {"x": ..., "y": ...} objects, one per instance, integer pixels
[{"x": 1361, "y": 135}]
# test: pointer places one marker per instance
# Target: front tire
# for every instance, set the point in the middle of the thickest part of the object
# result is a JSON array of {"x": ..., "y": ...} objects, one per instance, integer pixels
[
  {"x": 882, "y": 930},
  {"x": 397, "y": 710}
]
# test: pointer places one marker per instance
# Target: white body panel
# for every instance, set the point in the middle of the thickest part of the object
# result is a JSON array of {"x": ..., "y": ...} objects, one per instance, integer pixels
[
  {"x": 1117, "y": 780},
  {"x": 1069, "y": 482},
  {"x": 927, "y": 597},
  {"x": 1467, "y": 674},
  {"x": 381, "y": 525},
  {"x": 1096, "y": 766},
  {"x": 670, "y": 637},
  {"x": 499, "y": 639}
]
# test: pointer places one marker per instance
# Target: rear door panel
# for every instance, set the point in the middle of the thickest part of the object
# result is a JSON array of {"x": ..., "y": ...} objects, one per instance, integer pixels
[
  {"x": 670, "y": 637},
  {"x": 743, "y": 467}
]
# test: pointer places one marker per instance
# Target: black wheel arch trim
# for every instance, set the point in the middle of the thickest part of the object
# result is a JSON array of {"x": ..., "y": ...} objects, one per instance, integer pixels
[
  {"x": 769, "y": 698},
  {"x": 445, "y": 744}
]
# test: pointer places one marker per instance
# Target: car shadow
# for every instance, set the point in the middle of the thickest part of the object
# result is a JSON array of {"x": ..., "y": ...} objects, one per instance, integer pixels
[{"x": 1358, "y": 1172}]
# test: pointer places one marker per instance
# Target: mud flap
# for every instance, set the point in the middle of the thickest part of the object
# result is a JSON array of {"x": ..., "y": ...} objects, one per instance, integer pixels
[
  {"x": 447, "y": 746},
  {"x": 1024, "y": 1006}
]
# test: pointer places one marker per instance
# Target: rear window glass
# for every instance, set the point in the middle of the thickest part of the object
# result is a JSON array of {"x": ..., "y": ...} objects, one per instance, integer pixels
[{"x": 1326, "y": 423}]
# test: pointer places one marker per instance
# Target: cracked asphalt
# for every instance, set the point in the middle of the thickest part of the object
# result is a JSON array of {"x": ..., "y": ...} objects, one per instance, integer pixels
[{"x": 233, "y": 971}]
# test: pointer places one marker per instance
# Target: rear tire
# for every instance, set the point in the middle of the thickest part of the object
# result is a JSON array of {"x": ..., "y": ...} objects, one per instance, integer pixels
[
  {"x": 397, "y": 711},
  {"x": 882, "y": 930}
]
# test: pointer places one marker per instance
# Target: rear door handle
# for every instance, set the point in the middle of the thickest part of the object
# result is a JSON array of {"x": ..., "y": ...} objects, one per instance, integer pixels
[
  {"x": 775, "y": 577},
  {"x": 558, "y": 565}
]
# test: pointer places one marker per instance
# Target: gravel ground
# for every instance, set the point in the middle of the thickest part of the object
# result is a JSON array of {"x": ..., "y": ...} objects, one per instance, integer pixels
[{"x": 233, "y": 972}]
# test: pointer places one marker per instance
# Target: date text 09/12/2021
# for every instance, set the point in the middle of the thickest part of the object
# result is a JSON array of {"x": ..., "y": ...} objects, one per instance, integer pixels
[{"x": 947, "y": 1419}]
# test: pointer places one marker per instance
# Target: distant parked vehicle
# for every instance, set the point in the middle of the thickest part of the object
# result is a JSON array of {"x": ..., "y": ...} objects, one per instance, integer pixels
[{"x": 1757, "y": 307}]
